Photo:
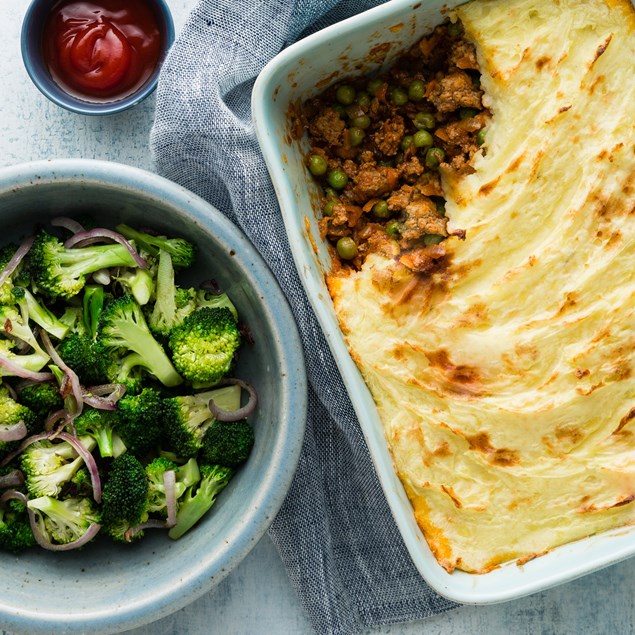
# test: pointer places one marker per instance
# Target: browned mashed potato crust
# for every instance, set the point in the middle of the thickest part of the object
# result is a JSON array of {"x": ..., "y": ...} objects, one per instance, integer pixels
[{"x": 503, "y": 365}]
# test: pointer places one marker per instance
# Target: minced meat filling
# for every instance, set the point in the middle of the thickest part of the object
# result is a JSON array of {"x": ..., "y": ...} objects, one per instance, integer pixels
[{"x": 378, "y": 143}]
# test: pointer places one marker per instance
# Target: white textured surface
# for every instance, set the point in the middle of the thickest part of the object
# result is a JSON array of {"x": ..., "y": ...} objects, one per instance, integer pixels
[{"x": 257, "y": 598}]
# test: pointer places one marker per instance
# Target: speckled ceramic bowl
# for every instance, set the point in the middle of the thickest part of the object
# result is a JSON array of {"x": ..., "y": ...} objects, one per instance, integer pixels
[
  {"x": 107, "y": 588},
  {"x": 37, "y": 68}
]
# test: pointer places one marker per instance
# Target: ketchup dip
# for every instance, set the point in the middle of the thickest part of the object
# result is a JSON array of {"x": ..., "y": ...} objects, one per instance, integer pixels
[{"x": 103, "y": 50}]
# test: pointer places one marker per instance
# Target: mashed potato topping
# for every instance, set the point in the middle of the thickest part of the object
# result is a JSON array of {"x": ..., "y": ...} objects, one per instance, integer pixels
[{"x": 505, "y": 378}]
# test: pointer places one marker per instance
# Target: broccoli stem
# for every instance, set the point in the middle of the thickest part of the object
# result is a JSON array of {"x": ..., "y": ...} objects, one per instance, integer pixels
[{"x": 43, "y": 317}]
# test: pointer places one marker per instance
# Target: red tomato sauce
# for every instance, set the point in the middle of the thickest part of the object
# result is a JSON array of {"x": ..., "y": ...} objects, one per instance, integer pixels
[{"x": 101, "y": 50}]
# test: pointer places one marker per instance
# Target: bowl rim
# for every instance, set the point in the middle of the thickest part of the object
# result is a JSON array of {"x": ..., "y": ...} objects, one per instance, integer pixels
[
  {"x": 206, "y": 573},
  {"x": 47, "y": 86}
]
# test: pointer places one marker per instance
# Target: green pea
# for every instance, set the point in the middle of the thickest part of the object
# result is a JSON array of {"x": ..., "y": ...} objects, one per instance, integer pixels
[
  {"x": 340, "y": 110},
  {"x": 329, "y": 206},
  {"x": 440, "y": 203},
  {"x": 407, "y": 141},
  {"x": 416, "y": 90},
  {"x": 363, "y": 122},
  {"x": 399, "y": 96},
  {"x": 432, "y": 239},
  {"x": 422, "y": 139},
  {"x": 345, "y": 95},
  {"x": 337, "y": 179},
  {"x": 380, "y": 209},
  {"x": 424, "y": 121},
  {"x": 330, "y": 193},
  {"x": 454, "y": 29},
  {"x": 393, "y": 228},
  {"x": 346, "y": 248},
  {"x": 356, "y": 136},
  {"x": 480, "y": 137},
  {"x": 467, "y": 113},
  {"x": 374, "y": 85},
  {"x": 317, "y": 165},
  {"x": 363, "y": 98},
  {"x": 434, "y": 156}
]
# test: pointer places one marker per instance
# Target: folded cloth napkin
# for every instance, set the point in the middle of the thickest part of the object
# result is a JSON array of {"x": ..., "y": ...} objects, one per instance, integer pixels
[{"x": 335, "y": 533}]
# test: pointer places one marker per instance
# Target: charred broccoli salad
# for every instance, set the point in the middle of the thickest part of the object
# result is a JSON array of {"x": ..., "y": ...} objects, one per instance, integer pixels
[{"x": 119, "y": 411}]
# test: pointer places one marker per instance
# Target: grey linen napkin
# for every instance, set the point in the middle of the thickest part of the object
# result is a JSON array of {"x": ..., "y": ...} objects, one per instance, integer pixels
[{"x": 335, "y": 532}]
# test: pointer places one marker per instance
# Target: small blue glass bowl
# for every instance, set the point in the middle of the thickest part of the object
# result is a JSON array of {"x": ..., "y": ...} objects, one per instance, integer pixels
[{"x": 37, "y": 68}]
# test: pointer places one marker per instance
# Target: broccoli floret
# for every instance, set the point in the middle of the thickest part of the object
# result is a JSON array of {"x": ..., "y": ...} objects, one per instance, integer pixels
[
  {"x": 123, "y": 331},
  {"x": 11, "y": 413},
  {"x": 140, "y": 422},
  {"x": 125, "y": 498},
  {"x": 227, "y": 443},
  {"x": 155, "y": 471},
  {"x": 64, "y": 521},
  {"x": 79, "y": 351},
  {"x": 81, "y": 485},
  {"x": 139, "y": 283},
  {"x": 214, "y": 300},
  {"x": 41, "y": 398},
  {"x": 172, "y": 304},
  {"x": 183, "y": 252},
  {"x": 14, "y": 325},
  {"x": 188, "y": 417},
  {"x": 41, "y": 315},
  {"x": 197, "y": 500},
  {"x": 101, "y": 426},
  {"x": 185, "y": 476},
  {"x": 6, "y": 253},
  {"x": 204, "y": 345},
  {"x": 15, "y": 529},
  {"x": 31, "y": 362},
  {"x": 61, "y": 272},
  {"x": 48, "y": 467},
  {"x": 92, "y": 306}
]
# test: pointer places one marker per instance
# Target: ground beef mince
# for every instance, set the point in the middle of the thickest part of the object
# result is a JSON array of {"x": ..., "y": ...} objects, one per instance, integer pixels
[{"x": 378, "y": 143}]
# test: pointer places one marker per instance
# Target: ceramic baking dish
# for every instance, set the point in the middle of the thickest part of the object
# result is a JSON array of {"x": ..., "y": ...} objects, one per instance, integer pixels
[{"x": 358, "y": 45}]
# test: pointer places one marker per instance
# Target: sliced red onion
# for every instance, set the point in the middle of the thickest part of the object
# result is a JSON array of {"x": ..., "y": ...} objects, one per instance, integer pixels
[
  {"x": 41, "y": 538},
  {"x": 70, "y": 373},
  {"x": 107, "y": 389},
  {"x": 78, "y": 447},
  {"x": 12, "y": 265},
  {"x": 18, "y": 371},
  {"x": 153, "y": 523},
  {"x": 25, "y": 444},
  {"x": 14, "y": 432},
  {"x": 53, "y": 418},
  {"x": 211, "y": 286},
  {"x": 80, "y": 239},
  {"x": 99, "y": 403},
  {"x": 14, "y": 478},
  {"x": 241, "y": 413},
  {"x": 67, "y": 223},
  {"x": 44, "y": 542},
  {"x": 114, "y": 391},
  {"x": 11, "y": 390},
  {"x": 88, "y": 460},
  {"x": 169, "y": 484},
  {"x": 12, "y": 494}
]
